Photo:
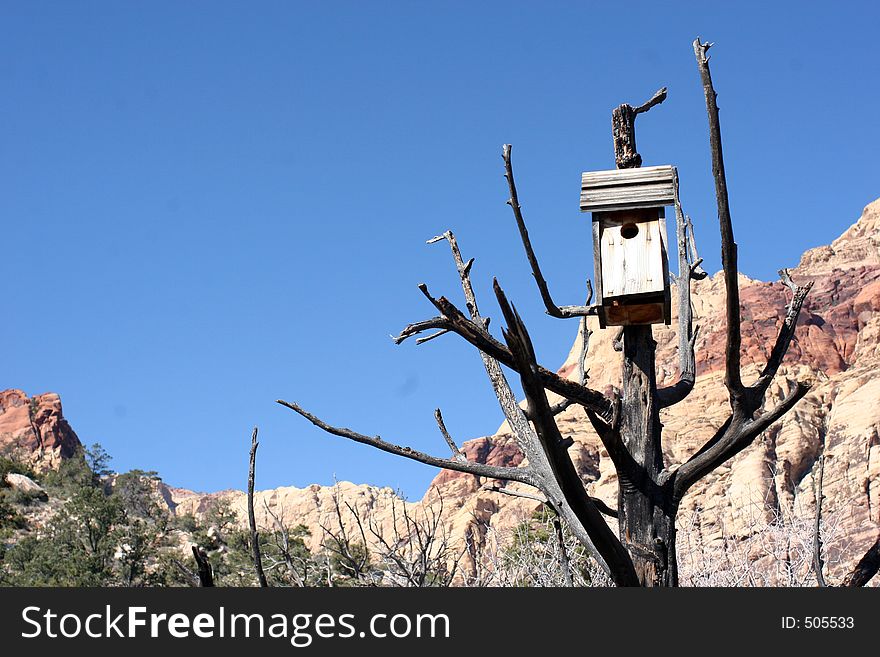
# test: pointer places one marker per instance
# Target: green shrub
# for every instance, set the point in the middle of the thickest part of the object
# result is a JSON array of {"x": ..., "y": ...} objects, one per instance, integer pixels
[{"x": 11, "y": 466}]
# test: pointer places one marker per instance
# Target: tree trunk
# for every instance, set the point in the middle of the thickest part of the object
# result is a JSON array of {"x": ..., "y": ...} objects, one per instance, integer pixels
[
  {"x": 646, "y": 517},
  {"x": 623, "y": 121}
]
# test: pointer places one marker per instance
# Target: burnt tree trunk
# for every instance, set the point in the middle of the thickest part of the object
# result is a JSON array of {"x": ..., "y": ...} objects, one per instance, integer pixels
[
  {"x": 646, "y": 514},
  {"x": 623, "y": 121}
]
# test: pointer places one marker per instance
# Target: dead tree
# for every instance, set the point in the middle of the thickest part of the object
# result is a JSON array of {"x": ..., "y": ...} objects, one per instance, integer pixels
[
  {"x": 252, "y": 522},
  {"x": 205, "y": 571},
  {"x": 643, "y": 550},
  {"x": 349, "y": 551},
  {"x": 292, "y": 555}
]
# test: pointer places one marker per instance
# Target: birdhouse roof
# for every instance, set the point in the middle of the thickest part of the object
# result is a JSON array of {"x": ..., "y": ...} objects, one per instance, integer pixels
[{"x": 626, "y": 189}]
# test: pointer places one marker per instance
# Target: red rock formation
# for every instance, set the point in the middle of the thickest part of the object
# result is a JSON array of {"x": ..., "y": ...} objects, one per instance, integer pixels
[{"x": 34, "y": 428}]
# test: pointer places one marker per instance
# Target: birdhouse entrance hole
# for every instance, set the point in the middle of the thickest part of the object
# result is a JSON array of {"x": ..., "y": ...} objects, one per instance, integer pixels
[{"x": 628, "y": 231}]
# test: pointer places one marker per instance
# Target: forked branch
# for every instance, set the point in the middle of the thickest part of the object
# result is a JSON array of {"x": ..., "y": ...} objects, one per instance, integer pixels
[
  {"x": 735, "y": 435},
  {"x": 456, "y": 322},
  {"x": 786, "y": 332},
  {"x": 623, "y": 128},
  {"x": 740, "y": 429}
]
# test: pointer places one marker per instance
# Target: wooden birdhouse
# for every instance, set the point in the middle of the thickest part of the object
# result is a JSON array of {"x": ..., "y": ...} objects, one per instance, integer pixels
[{"x": 629, "y": 242}]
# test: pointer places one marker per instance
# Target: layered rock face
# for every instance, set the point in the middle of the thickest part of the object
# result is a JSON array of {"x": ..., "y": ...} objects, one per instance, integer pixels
[
  {"x": 33, "y": 429},
  {"x": 772, "y": 482}
]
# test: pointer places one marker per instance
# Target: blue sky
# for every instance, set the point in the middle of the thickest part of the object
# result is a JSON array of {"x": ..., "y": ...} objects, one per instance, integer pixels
[{"x": 211, "y": 205}]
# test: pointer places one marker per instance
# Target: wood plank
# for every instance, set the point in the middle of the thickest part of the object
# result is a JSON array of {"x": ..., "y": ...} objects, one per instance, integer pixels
[
  {"x": 615, "y": 177},
  {"x": 659, "y": 193},
  {"x": 603, "y": 200},
  {"x": 597, "y": 266},
  {"x": 627, "y": 188},
  {"x": 627, "y": 315}
]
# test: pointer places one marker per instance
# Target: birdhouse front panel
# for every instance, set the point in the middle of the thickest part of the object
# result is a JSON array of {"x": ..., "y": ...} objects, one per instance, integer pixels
[{"x": 632, "y": 254}]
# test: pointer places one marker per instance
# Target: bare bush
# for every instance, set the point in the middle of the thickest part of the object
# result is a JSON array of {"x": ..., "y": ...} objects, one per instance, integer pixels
[
  {"x": 539, "y": 551},
  {"x": 769, "y": 547},
  {"x": 419, "y": 549}
]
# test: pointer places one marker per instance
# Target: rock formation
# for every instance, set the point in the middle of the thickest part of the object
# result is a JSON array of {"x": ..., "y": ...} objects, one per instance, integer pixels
[{"x": 34, "y": 430}]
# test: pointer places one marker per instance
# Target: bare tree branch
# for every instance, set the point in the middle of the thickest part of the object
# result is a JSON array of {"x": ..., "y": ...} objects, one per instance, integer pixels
[
  {"x": 585, "y": 348},
  {"x": 191, "y": 577},
  {"x": 464, "y": 274},
  {"x": 697, "y": 272},
  {"x": 428, "y": 338},
  {"x": 740, "y": 429},
  {"x": 504, "y": 490},
  {"x": 623, "y": 128},
  {"x": 866, "y": 568},
  {"x": 525, "y": 435},
  {"x": 553, "y": 310},
  {"x": 687, "y": 334},
  {"x": 613, "y": 443},
  {"x": 479, "y": 469},
  {"x": 494, "y": 488},
  {"x": 761, "y": 424},
  {"x": 734, "y": 436},
  {"x": 282, "y": 542},
  {"x": 480, "y": 338},
  {"x": 818, "y": 563},
  {"x": 418, "y": 327},
  {"x": 604, "y": 508},
  {"x": 255, "y": 535},
  {"x": 786, "y": 332},
  {"x": 585, "y": 333},
  {"x": 352, "y": 557},
  {"x": 456, "y": 453},
  {"x": 515, "y": 416},
  {"x": 421, "y": 553},
  {"x": 564, "y": 475},
  {"x": 733, "y": 377},
  {"x": 658, "y": 97},
  {"x": 564, "y": 562}
]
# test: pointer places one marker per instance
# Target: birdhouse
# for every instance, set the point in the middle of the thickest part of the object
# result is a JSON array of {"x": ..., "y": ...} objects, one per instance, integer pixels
[{"x": 628, "y": 207}]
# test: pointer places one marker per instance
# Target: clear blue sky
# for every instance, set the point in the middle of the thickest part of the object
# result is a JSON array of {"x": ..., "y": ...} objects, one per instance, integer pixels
[{"x": 207, "y": 206}]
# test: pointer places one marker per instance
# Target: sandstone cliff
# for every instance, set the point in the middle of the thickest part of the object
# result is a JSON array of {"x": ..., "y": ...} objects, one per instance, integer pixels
[{"x": 33, "y": 429}]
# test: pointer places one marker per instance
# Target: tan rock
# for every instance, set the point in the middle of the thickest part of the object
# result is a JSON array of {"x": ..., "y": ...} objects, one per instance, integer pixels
[{"x": 25, "y": 485}]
